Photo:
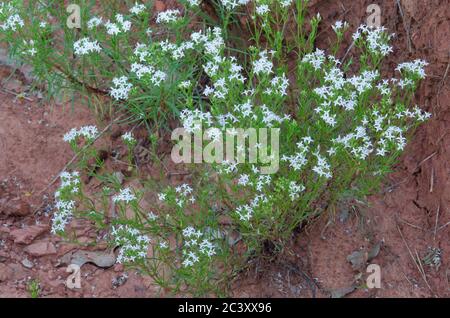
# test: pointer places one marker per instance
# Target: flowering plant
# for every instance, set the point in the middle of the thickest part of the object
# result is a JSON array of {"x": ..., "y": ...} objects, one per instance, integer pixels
[{"x": 341, "y": 125}]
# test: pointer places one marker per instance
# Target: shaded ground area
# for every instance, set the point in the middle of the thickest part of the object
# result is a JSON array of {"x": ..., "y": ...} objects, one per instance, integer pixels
[
  {"x": 407, "y": 220},
  {"x": 32, "y": 153}
]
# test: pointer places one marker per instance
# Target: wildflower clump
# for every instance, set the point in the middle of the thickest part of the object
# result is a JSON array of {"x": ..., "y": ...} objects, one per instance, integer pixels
[
  {"x": 65, "y": 200},
  {"x": 323, "y": 131}
]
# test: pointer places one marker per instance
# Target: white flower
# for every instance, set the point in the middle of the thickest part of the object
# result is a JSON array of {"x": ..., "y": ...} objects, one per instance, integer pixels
[
  {"x": 262, "y": 9},
  {"x": 140, "y": 70},
  {"x": 363, "y": 82},
  {"x": 133, "y": 244},
  {"x": 194, "y": 3},
  {"x": 152, "y": 216},
  {"x": 184, "y": 190},
  {"x": 279, "y": 86},
  {"x": 112, "y": 28},
  {"x": 120, "y": 26},
  {"x": 245, "y": 212},
  {"x": 339, "y": 26},
  {"x": 358, "y": 142},
  {"x": 161, "y": 196},
  {"x": 285, "y": 3},
  {"x": 71, "y": 135},
  {"x": 163, "y": 245},
  {"x": 377, "y": 39},
  {"x": 196, "y": 246},
  {"x": 243, "y": 179},
  {"x": 13, "y": 22},
  {"x": 207, "y": 248},
  {"x": 125, "y": 195},
  {"x": 322, "y": 168},
  {"x": 158, "y": 77},
  {"x": 137, "y": 8},
  {"x": 263, "y": 65},
  {"x": 89, "y": 132},
  {"x": 141, "y": 51},
  {"x": 415, "y": 67},
  {"x": 94, "y": 22},
  {"x": 128, "y": 138},
  {"x": 233, "y": 4},
  {"x": 62, "y": 215},
  {"x": 295, "y": 189},
  {"x": 121, "y": 88},
  {"x": 29, "y": 48},
  {"x": 316, "y": 59},
  {"x": 85, "y": 46},
  {"x": 155, "y": 76},
  {"x": 188, "y": 231},
  {"x": 168, "y": 16},
  {"x": 299, "y": 160},
  {"x": 185, "y": 84}
]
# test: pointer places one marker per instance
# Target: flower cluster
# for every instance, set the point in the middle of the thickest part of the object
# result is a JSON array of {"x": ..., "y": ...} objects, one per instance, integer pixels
[
  {"x": 340, "y": 26},
  {"x": 30, "y": 48},
  {"x": 194, "y": 3},
  {"x": 129, "y": 139},
  {"x": 233, "y": 4},
  {"x": 88, "y": 132},
  {"x": 85, "y": 46},
  {"x": 168, "y": 16},
  {"x": 133, "y": 244},
  {"x": 196, "y": 245},
  {"x": 178, "y": 196},
  {"x": 121, "y": 88},
  {"x": 13, "y": 21},
  {"x": 94, "y": 22},
  {"x": 124, "y": 195},
  {"x": 120, "y": 26},
  {"x": 415, "y": 68},
  {"x": 263, "y": 65},
  {"x": 138, "y": 8},
  {"x": 376, "y": 38},
  {"x": 65, "y": 205}
]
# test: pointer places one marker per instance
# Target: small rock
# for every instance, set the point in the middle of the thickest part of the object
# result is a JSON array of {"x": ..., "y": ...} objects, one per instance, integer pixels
[
  {"x": 13, "y": 85},
  {"x": 119, "y": 280},
  {"x": 28, "y": 234},
  {"x": 27, "y": 263},
  {"x": 342, "y": 292},
  {"x": 358, "y": 259},
  {"x": 4, "y": 232},
  {"x": 5, "y": 273},
  {"x": 104, "y": 259},
  {"x": 16, "y": 208},
  {"x": 3, "y": 256},
  {"x": 40, "y": 249}
]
